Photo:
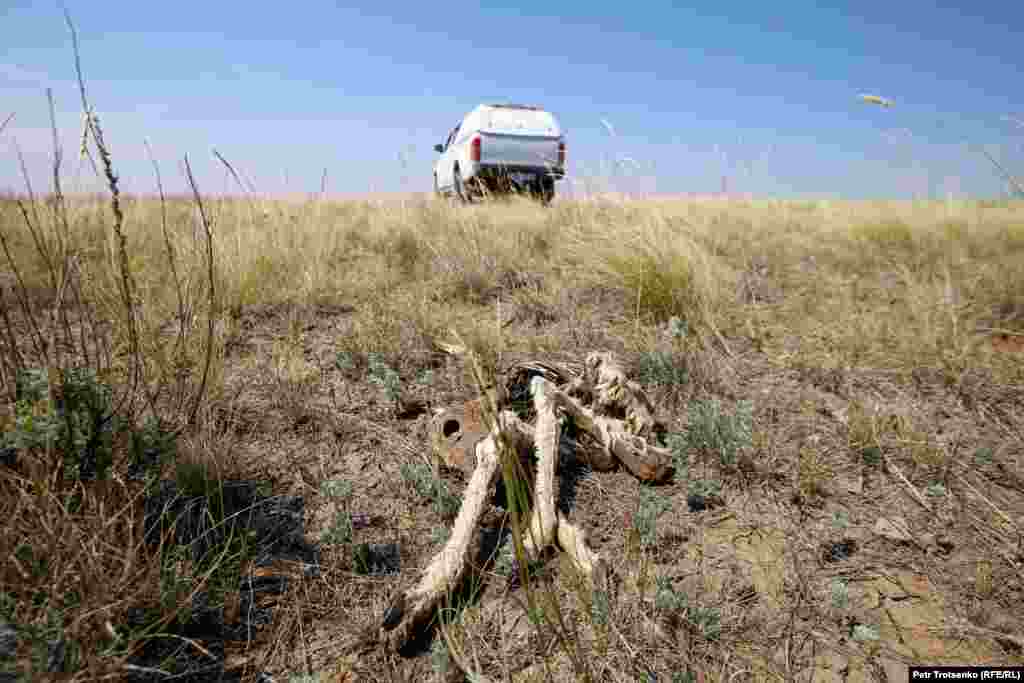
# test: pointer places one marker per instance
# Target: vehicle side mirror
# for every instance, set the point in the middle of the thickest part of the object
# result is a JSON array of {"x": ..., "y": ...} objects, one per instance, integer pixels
[{"x": 439, "y": 148}]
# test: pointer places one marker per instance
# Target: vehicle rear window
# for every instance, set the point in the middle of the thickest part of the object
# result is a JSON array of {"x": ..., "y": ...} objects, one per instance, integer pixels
[{"x": 520, "y": 120}]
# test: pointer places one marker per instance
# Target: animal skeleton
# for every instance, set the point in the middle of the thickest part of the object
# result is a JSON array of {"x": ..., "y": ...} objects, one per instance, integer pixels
[{"x": 612, "y": 410}]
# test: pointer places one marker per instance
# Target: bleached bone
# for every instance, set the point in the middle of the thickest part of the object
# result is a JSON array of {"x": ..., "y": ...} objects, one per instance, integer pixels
[
  {"x": 547, "y": 525},
  {"x": 416, "y": 605},
  {"x": 621, "y": 439},
  {"x": 546, "y": 435},
  {"x": 647, "y": 462},
  {"x": 605, "y": 379}
]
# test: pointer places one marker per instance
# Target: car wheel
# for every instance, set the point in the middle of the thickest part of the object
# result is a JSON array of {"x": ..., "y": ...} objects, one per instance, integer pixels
[
  {"x": 458, "y": 188},
  {"x": 547, "y": 190}
]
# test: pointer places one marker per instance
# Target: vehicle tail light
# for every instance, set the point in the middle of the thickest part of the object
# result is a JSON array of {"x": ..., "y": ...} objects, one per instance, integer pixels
[
  {"x": 474, "y": 149},
  {"x": 561, "y": 152}
]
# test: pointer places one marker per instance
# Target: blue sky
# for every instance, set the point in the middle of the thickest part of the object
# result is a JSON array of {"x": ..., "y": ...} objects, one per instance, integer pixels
[{"x": 763, "y": 93}]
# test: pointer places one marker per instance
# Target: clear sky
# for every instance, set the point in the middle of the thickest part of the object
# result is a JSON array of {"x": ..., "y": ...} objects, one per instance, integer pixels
[{"x": 763, "y": 93}]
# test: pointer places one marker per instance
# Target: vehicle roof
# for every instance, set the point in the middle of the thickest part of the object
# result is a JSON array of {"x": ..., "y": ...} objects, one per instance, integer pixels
[
  {"x": 537, "y": 114},
  {"x": 509, "y": 105}
]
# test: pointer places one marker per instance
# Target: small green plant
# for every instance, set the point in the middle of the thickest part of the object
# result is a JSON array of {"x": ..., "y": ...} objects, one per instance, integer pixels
[
  {"x": 175, "y": 583},
  {"x": 661, "y": 368},
  {"x": 645, "y": 520},
  {"x": 440, "y": 659},
  {"x": 983, "y": 456},
  {"x": 643, "y": 531},
  {"x": 840, "y": 591},
  {"x": 7, "y": 605},
  {"x": 197, "y": 480},
  {"x": 506, "y": 565},
  {"x": 668, "y": 598},
  {"x": 863, "y": 633},
  {"x": 30, "y": 559},
  {"x": 678, "y": 446},
  {"x": 385, "y": 377},
  {"x": 79, "y": 424},
  {"x": 439, "y": 535},
  {"x": 600, "y": 612},
  {"x": 193, "y": 479},
  {"x": 505, "y": 562},
  {"x": 340, "y": 531},
  {"x": 599, "y": 607},
  {"x": 421, "y": 478},
  {"x": 227, "y": 575},
  {"x": 872, "y": 455},
  {"x": 153, "y": 445},
  {"x": 336, "y": 488},
  {"x": 678, "y": 328},
  {"x": 840, "y": 520},
  {"x": 713, "y": 431},
  {"x": 343, "y": 360},
  {"x": 707, "y": 620},
  {"x": 361, "y": 558},
  {"x": 341, "y": 528},
  {"x": 935, "y": 490},
  {"x": 704, "y": 488}
]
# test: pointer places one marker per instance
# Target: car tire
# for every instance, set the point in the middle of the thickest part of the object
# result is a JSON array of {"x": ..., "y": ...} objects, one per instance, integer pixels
[
  {"x": 546, "y": 190},
  {"x": 458, "y": 189}
]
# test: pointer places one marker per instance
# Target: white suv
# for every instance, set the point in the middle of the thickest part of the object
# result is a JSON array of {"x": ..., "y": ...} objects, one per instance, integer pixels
[{"x": 499, "y": 148}]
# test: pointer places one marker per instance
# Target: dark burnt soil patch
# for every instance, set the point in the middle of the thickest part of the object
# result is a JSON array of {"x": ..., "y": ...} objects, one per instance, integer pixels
[{"x": 253, "y": 545}]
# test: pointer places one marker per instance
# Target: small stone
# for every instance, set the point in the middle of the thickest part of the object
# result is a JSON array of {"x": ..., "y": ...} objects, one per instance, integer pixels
[{"x": 893, "y": 528}]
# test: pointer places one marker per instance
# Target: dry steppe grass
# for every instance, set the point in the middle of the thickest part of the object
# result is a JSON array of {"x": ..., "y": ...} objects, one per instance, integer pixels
[{"x": 880, "y": 346}]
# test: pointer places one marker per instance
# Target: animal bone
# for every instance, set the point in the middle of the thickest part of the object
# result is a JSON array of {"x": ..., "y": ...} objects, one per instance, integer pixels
[
  {"x": 458, "y": 439},
  {"x": 546, "y": 432}
]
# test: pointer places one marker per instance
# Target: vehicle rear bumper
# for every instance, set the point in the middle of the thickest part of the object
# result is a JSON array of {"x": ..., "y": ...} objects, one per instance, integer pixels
[{"x": 486, "y": 170}]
